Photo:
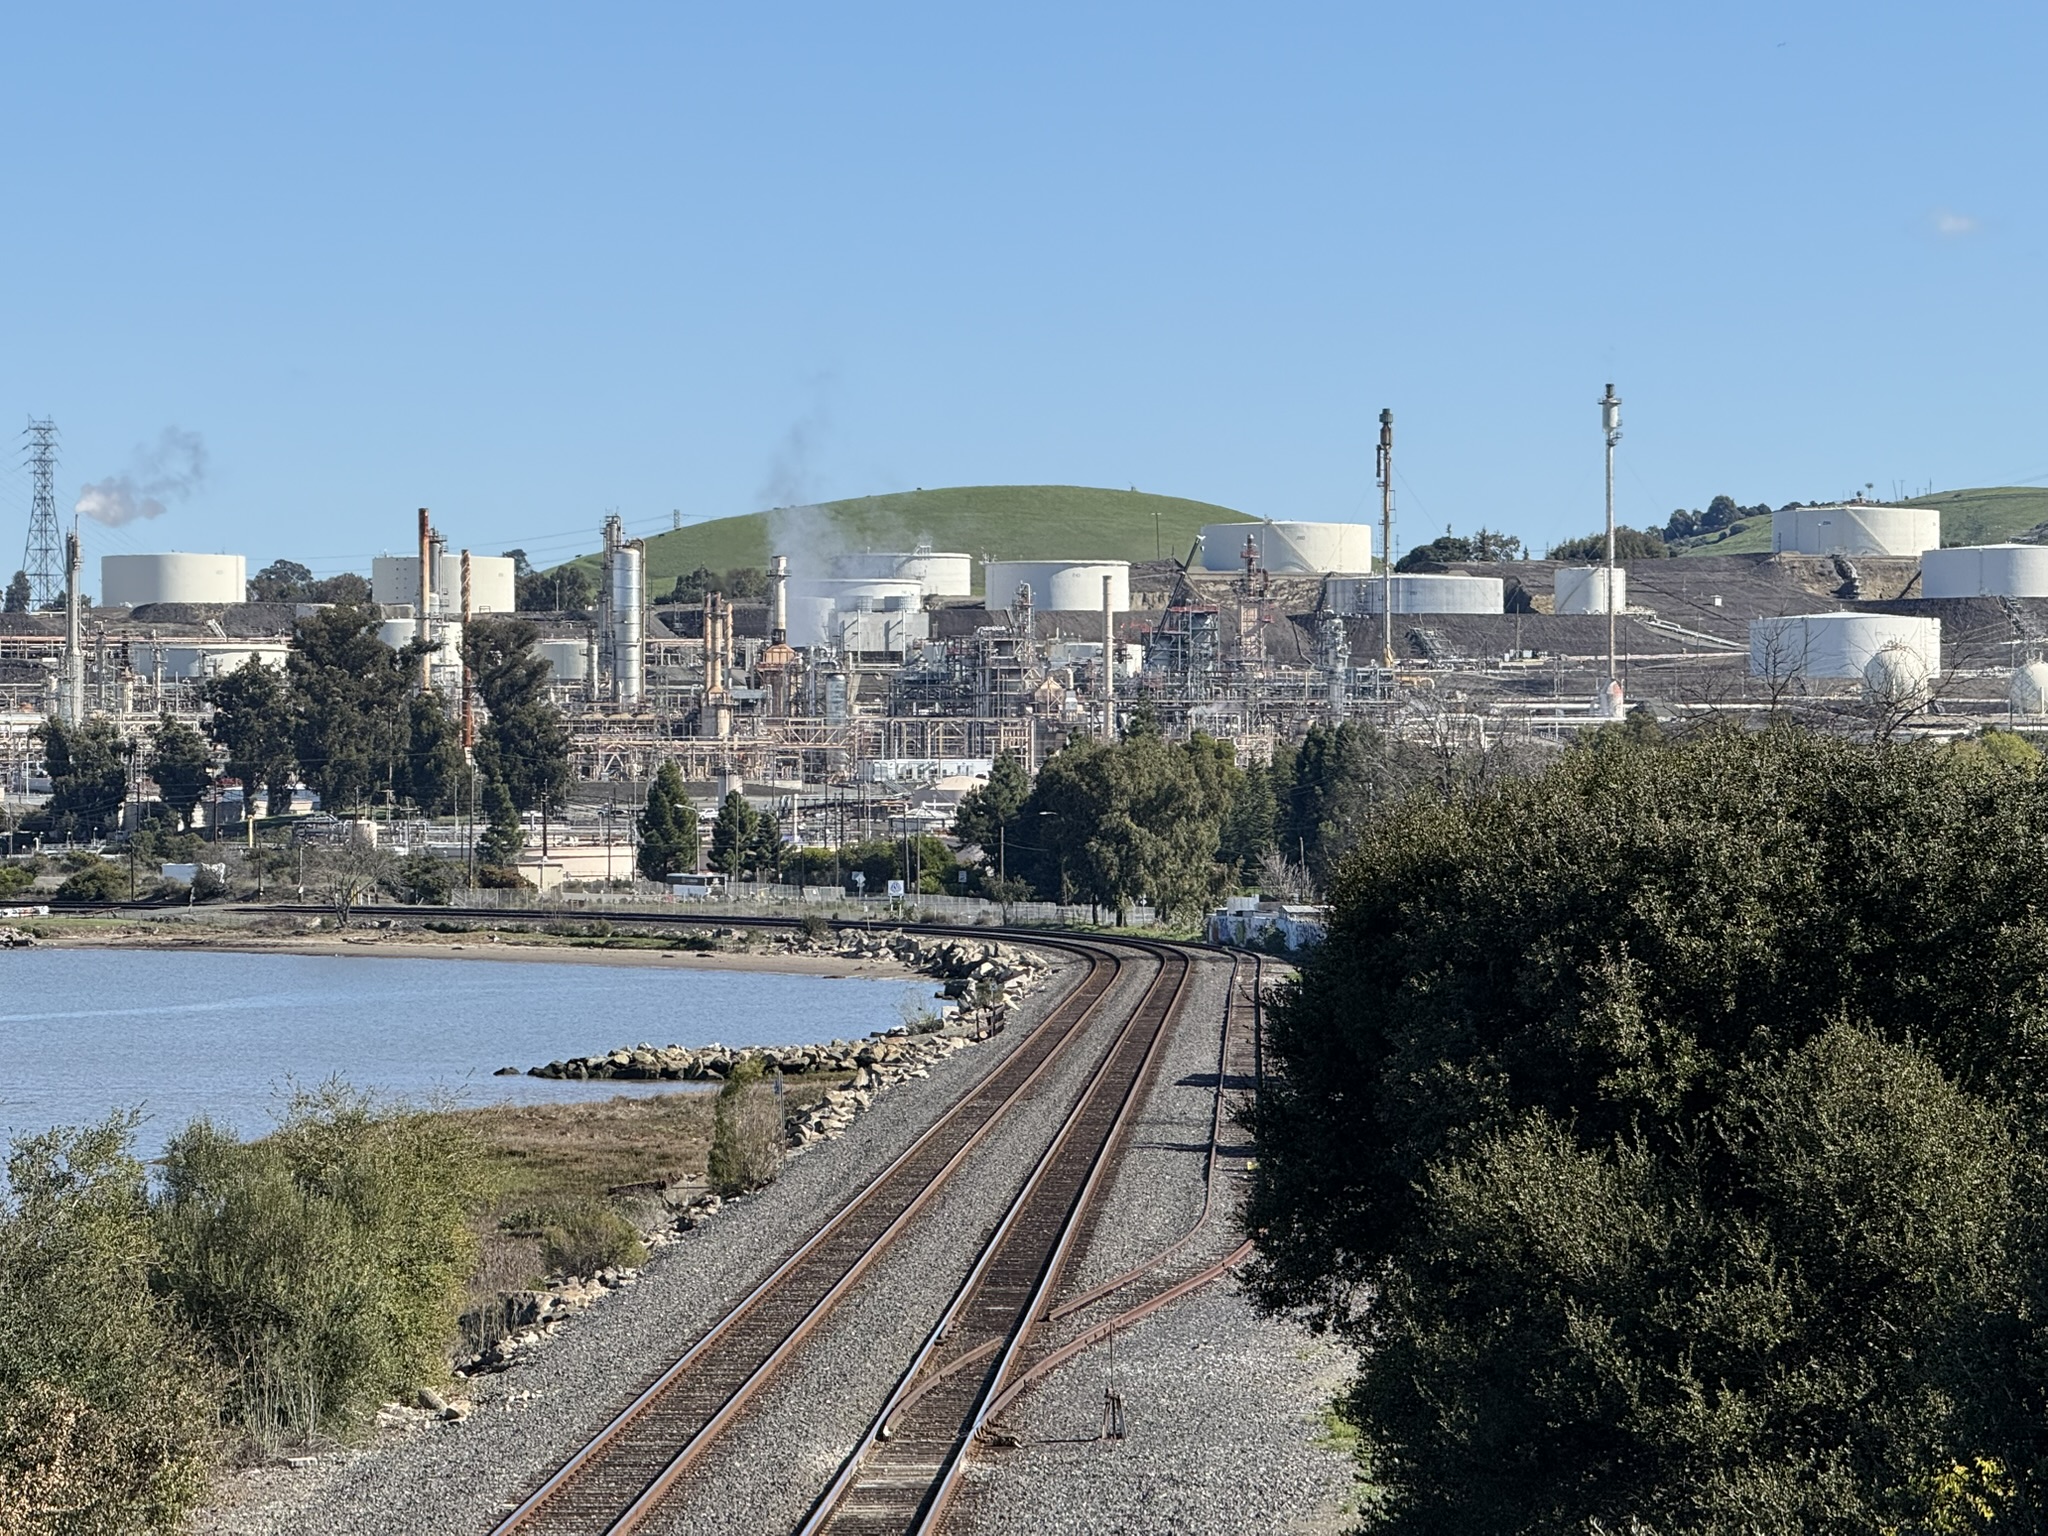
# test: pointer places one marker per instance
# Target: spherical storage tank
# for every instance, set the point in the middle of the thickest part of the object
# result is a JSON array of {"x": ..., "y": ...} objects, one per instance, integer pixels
[
  {"x": 1417, "y": 594},
  {"x": 1839, "y": 645},
  {"x": 129, "y": 581},
  {"x": 1897, "y": 678},
  {"x": 1855, "y": 529},
  {"x": 940, "y": 573},
  {"x": 1288, "y": 549},
  {"x": 1583, "y": 589},
  {"x": 1985, "y": 570},
  {"x": 1067, "y": 586}
]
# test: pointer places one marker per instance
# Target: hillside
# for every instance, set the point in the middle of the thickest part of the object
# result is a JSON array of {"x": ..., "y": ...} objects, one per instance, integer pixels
[
  {"x": 1998, "y": 514},
  {"x": 999, "y": 522}
]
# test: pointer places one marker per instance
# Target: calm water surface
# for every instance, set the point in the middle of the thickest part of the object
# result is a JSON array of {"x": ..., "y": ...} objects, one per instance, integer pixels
[{"x": 84, "y": 1032}]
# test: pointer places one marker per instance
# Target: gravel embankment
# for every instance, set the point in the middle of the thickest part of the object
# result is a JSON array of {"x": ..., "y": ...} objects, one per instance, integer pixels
[
  {"x": 462, "y": 1477},
  {"x": 764, "y": 1474},
  {"x": 1225, "y": 1428}
]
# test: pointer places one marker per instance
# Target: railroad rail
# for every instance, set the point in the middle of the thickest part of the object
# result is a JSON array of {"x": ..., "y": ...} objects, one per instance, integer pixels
[
  {"x": 901, "y": 1476},
  {"x": 624, "y": 1472}
]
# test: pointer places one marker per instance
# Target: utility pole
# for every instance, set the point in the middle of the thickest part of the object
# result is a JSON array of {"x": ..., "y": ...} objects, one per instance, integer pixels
[
  {"x": 1386, "y": 480},
  {"x": 41, "y": 558},
  {"x": 1610, "y": 424}
]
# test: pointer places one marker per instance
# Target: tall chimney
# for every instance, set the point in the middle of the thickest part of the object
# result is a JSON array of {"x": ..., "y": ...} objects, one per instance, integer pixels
[
  {"x": 778, "y": 587},
  {"x": 1108, "y": 666},
  {"x": 468, "y": 713},
  {"x": 422, "y": 629},
  {"x": 74, "y": 649}
]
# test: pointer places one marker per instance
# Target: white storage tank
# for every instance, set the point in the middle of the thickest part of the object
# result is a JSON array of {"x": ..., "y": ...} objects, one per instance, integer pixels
[
  {"x": 2029, "y": 691},
  {"x": 208, "y": 659},
  {"x": 816, "y": 603},
  {"x": 1855, "y": 528},
  {"x": 446, "y": 633},
  {"x": 568, "y": 660},
  {"x": 1838, "y": 645},
  {"x": 1985, "y": 570},
  {"x": 629, "y": 622},
  {"x": 395, "y": 582},
  {"x": 940, "y": 573},
  {"x": 1418, "y": 594},
  {"x": 1069, "y": 586},
  {"x": 1583, "y": 589},
  {"x": 1289, "y": 549},
  {"x": 1897, "y": 677},
  {"x": 129, "y": 581}
]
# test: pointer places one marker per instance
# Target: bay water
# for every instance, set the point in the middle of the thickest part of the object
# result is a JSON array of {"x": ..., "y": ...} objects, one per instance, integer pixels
[{"x": 180, "y": 1034}]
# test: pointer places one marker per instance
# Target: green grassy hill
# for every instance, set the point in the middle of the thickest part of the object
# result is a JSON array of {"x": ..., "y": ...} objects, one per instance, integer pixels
[
  {"x": 1997, "y": 514},
  {"x": 989, "y": 522}
]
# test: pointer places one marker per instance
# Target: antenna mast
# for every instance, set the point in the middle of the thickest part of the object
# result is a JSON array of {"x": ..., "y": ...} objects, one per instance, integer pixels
[
  {"x": 1386, "y": 479},
  {"x": 44, "y": 557},
  {"x": 1610, "y": 424}
]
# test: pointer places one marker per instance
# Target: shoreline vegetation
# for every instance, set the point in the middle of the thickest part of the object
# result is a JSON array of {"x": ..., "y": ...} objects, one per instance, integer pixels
[{"x": 352, "y": 1272}]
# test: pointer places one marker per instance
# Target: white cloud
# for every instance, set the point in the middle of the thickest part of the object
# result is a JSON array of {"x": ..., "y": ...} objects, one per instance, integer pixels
[{"x": 1951, "y": 225}]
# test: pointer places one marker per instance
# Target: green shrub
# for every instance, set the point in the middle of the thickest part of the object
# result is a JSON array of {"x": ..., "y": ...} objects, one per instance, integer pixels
[
  {"x": 425, "y": 879},
  {"x": 106, "y": 1412},
  {"x": 747, "y": 1134},
  {"x": 101, "y": 880},
  {"x": 324, "y": 1267},
  {"x": 15, "y": 877},
  {"x": 583, "y": 1239},
  {"x": 501, "y": 877},
  {"x": 207, "y": 886},
  {"x": 815, "y": 927}
]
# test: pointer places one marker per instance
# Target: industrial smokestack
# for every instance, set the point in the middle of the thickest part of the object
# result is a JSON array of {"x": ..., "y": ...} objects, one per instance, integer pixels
[
  {"x": 629, "y": 623},
  {"x": 1108, "y": 664},
  {"x": 74, "y": 651},
  {"x": 778, "y": 588},
  {"x": 422, "y": 628},
  {"x": 468, "y": 712}
]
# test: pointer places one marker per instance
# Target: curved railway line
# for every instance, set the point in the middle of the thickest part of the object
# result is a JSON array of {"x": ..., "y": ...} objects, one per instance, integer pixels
[{"x": 991, "y": 1340}]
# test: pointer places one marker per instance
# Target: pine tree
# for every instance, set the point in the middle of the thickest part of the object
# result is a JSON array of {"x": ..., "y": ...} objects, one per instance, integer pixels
[
  {"x": 668, "y": 827},
  {"x": 732, "y": 836},
  {"x": 178, "y": 763},
  {"x": 765, "y": 854},
  {"x": 503, "y": 837},
  {"x": 18, "y": 593}
]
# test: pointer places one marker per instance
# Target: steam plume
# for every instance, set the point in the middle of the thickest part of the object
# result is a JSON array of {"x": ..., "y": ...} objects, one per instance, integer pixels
[{"x": 171, "y": 471}]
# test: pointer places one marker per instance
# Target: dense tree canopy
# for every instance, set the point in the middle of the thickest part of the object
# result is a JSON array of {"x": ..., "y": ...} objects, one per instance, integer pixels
[
  {"x": 668, "y": 827},
  {"x": 19, "y": 593},
  {"x": 1669, "y": 1131},
  {"x": 1449, "y": 548},
  {"x": 1629, "y": 544},
  {"x": 565, "y": 589},
  {"x": 351, "y": 694},
  {"x": 252, "y": 719},
  {"x": 178, "y": 762},
  {"x": 523, "y": 740},
  {"x": 88, "y": 766}
]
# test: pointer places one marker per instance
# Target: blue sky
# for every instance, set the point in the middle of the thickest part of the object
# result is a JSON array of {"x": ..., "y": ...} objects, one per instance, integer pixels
[{"x": 525, "y": 265}]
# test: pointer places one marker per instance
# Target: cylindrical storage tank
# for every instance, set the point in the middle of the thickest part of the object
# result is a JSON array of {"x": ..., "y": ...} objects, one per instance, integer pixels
[
  {"x": 2029, "y": 692},
  {"x": 1837, "y": 645},
  {"x": 938, "y": 573},
  {"x": 129, "y": 581},
  {"x": 1068, "y": 586},
  {"x": 1583, "y": 589},
  {"x": 629, "y": 622},
  {"x": 1855, "y": 529},
  {"x": 1289, "y": 549},
  {"x": 1418, "y": 594},
  {"x": 568, "y": 660},
  {"x": 398, "y": 633},
  {"x": 1985, "y": 570}
]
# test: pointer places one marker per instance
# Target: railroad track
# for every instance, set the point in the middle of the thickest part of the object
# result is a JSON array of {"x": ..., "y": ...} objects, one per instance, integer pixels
[
  {"x": 629, "y": 1468},
  {"x": 901, "y": 1476}
]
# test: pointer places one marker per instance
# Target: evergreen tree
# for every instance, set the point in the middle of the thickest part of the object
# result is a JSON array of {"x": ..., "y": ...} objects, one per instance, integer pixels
[
  {"x": 1250, "y": 826},
  {"x": 178, "y": 763},
  {"x": 433, "y": 776},
  {"x": 351, "y": 697},
  {"x": 252, "y": 719},
  {"x": 88, "y": 777},
  {"x": 764, "y": 853},
  {"x": 732, "y": 836},
  {"x": 668, "y": 827},
  {"x": 18, "y": 593},
  {"x": 503, "y": 836},
  {"x": 523, "y": 739},
  {"x": 988, "y": 814}
]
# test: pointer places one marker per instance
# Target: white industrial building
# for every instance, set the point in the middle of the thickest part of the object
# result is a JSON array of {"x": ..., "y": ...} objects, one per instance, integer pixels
[
  {"x": 1064, "y": 586},
  {"x": 1855, "y": 528},
  {"x": 940, "y": 573},
  {"x": 1838, "y": 645},
  {"x": 131, "y": 581},
  {"x": 1985, "y": 570},
  {"x": 1289, "y": 549},
  {"x": 1417, "y": 594},
  {"x": 855, "y": 614},
  {"x": 395, "y": 581},
  {"x": 1583, "y": 589}
]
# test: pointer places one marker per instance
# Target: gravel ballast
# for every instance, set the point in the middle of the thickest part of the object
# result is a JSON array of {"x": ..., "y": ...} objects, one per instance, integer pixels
[{"x": 464, "y": 1477}]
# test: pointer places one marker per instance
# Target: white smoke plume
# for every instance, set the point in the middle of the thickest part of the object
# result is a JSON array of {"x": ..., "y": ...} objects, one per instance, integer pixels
[{"x": 170, "y": 471}]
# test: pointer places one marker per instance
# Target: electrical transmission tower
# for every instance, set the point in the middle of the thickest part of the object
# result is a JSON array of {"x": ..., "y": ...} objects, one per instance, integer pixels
[{"x": 43, "y": 559}]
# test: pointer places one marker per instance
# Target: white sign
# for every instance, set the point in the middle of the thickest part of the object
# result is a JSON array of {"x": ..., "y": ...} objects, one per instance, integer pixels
[{"x": 895, "y": 887}]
